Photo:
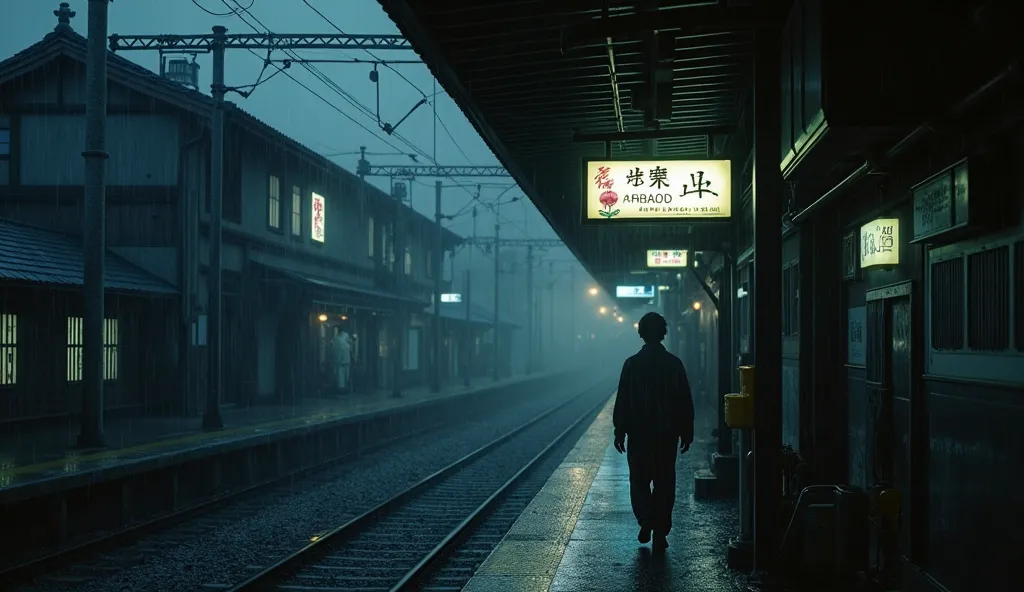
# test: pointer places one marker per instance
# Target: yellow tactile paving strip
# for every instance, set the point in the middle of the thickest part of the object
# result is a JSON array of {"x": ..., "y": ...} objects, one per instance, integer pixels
[{"x": 528, "y": 557}]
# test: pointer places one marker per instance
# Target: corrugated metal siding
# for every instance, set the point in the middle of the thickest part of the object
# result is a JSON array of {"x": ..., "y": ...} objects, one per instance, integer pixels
[
  {"x": 143, "y": 150},
  {"x": 947, "y": 304},
  {"x": 988, "y": 299}
]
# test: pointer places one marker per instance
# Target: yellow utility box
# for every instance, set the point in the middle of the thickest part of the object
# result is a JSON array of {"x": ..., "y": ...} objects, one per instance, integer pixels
[{"x": 739, "y": 408}]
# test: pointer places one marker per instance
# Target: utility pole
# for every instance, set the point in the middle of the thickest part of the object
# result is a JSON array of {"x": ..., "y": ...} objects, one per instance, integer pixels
[
  {"x": 572, "y": 310},
  {"x": 497, "y": 288},
  {"x": 95, "y": 154},
  {"x": 551, "y": 306},
  {"x": 398, "y": 272},
  {"x": 467, "y": 354},
  {"x": 438, "y": 264},
  {"x": 529, "y": 309}
]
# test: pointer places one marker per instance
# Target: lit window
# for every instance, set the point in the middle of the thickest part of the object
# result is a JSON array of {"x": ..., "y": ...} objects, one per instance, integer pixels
[
  {"x": 8, "y": 349},
  {"x": 296, "y": 211},
  {"x": 274, "y": 203},
  {"x": 110, "y": 345},
  {"x": 369, "y": 230},
  {"x": 74, "y": 349},
  {"x": 408, "y": 261}
]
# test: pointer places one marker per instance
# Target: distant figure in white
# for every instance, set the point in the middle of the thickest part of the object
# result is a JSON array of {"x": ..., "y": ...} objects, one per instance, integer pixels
[{"x": 341, "y": 347}]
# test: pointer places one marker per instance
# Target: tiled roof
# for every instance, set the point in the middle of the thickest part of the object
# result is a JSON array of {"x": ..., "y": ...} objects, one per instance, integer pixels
[
  {"x": 66, "y": 41},
  {"x": 38, "y": 256}
]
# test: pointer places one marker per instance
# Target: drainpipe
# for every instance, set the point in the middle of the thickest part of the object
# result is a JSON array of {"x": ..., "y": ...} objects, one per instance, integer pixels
[
  {"x": 908, "y": 142},
  {"x": 188, "y": 217}
]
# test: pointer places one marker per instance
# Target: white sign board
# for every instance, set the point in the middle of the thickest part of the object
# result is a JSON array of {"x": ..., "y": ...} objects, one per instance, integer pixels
[
  {"x": 634, "y": 292},
  {"x": 451, "y": 297},
  {"x": 856, "y": 348},
  {"x": 657, "y": 189},
  {"x": 666, "y": 258},
  {"x": 318, "y": 218},
  {"x": 880, "y": 243}
]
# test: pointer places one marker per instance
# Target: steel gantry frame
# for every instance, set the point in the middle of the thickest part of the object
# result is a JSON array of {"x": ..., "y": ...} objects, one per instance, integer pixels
[
  {"x": 216, "y": 43},
  {"x": 365, "y": 169}
]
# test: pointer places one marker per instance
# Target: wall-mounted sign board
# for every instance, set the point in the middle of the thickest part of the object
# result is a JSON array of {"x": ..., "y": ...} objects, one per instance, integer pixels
[
  {"x": 634, "y": 292},
  {"x": 941, "y": 203},
  {"x": 880, "y": 243},
  {"x": 451, "y": 297},
  {"x": 319, "y": 220},
  {"x": 653, "y": 190},
  {"x": 673, "y": 258}
]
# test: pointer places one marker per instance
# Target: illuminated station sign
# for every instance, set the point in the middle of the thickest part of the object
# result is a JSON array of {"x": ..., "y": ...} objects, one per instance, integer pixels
[
  {"x": 634, "y": 292},
  {"x": 657, "y": 258},
  {"x": 451, "y": 297},
  {"x": 880, "y": 243},
  {"x": 638, "y": 190}
]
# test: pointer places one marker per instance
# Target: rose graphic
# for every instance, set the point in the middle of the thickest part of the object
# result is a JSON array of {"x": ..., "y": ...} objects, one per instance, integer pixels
[{"x": 608, "y": 199}]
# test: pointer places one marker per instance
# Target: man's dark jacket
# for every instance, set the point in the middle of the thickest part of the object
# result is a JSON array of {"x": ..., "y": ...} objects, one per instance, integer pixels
[{"x": 654, "y": 399}]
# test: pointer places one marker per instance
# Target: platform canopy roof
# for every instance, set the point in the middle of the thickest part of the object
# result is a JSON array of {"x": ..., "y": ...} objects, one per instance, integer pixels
[{"x": 534, "y": 77}]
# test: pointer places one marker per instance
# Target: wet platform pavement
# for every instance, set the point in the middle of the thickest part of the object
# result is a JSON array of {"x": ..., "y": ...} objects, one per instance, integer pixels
[
  {"x": 579, "y": 534},
  {"x": 43, "y": 455}
]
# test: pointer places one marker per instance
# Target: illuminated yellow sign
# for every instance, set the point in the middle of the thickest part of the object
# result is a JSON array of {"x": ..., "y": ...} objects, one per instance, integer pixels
[
  {"x": 676, "y": 258},
  {"x": 657, "y": 189},
  {"x": 880, "y": 243}
]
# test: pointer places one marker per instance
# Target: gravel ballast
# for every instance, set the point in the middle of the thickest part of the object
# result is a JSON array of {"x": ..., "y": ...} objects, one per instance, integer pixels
[{"x": 226, "y": 545}]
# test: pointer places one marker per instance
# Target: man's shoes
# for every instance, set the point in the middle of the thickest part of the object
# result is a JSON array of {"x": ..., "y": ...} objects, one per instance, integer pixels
[
  {"x": 660, "y": 542},
  {"x": 645, "y": 535}
]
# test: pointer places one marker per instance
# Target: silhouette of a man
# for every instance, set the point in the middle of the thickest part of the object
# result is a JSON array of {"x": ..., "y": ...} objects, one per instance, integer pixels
[{"x": 654, "y": 409}]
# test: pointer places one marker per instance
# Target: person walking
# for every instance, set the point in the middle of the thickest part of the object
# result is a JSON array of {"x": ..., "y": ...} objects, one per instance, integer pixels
[{"x": 653, "y": 415}]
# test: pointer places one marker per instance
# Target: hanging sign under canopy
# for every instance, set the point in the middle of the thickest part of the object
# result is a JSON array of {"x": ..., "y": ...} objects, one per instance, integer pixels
[{"x": 652, "y": 190}]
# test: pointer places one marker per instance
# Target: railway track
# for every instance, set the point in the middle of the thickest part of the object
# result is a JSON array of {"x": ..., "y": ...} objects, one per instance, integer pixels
[
  {"x": 88, "y": 561},
  {"x": 433, "y": 535}
]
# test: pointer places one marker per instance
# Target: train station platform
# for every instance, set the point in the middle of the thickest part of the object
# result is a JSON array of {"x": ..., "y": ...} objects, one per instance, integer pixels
[
  {"x": 154, "y": 466},
  {"x": 579, "y": 533}
]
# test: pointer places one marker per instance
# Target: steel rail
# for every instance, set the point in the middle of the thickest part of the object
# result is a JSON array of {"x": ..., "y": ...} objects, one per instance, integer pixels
[
  {"x": 28, "y": 569},
  {"x": 290, "y": 565},
  {"x": 425, "y": 567}
]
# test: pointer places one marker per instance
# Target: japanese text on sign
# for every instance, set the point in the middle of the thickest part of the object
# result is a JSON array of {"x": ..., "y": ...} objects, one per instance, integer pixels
[
  {"x": 319, "y": 219},
  {"x": 880, "y": 243},
  {"x": 662, "y": 189},
  {"x": 657, "y": 258}
]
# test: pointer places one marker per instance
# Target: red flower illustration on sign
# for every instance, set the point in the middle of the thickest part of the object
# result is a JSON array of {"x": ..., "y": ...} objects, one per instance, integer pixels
[{"x": 608, "y": 199}]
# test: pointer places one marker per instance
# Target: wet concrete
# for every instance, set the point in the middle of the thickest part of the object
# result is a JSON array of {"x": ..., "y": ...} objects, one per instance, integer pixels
[
  {"x": 603, "y": 553},
  {"x": 579, "y": 534}
]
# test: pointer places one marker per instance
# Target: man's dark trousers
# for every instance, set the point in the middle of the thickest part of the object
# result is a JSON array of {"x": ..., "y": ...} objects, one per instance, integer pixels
[{"x": 652, "y": 460}]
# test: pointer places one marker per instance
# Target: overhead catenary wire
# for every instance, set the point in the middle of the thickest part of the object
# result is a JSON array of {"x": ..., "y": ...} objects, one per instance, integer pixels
[{"x": 238, "y": 11}]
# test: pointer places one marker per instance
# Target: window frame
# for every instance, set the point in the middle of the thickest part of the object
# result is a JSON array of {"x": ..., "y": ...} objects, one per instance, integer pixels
[
  {"x": 296, "y": 228},
  {"x": 965, "y": 363},
  {"x": 274, "y": 203},
  {"x": 9, "y": 334}
]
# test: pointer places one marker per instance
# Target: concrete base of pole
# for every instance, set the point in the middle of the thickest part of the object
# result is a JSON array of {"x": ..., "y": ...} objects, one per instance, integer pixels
[
  {"x": 87, "y": 440},
  {"x": 212, "y": 421},
  {"x": 740, "y": 555}
]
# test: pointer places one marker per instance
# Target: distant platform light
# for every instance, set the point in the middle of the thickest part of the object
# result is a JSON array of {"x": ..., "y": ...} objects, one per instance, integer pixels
[
  {"x": 593, "y": 291},
  {"x": 322, "y": 317},
  {"x": 636, "y": 325},
  {"x": 620, "y": 319},
  {"x": 696, "y": 305},
  {"x": 603, "y": 310}
]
